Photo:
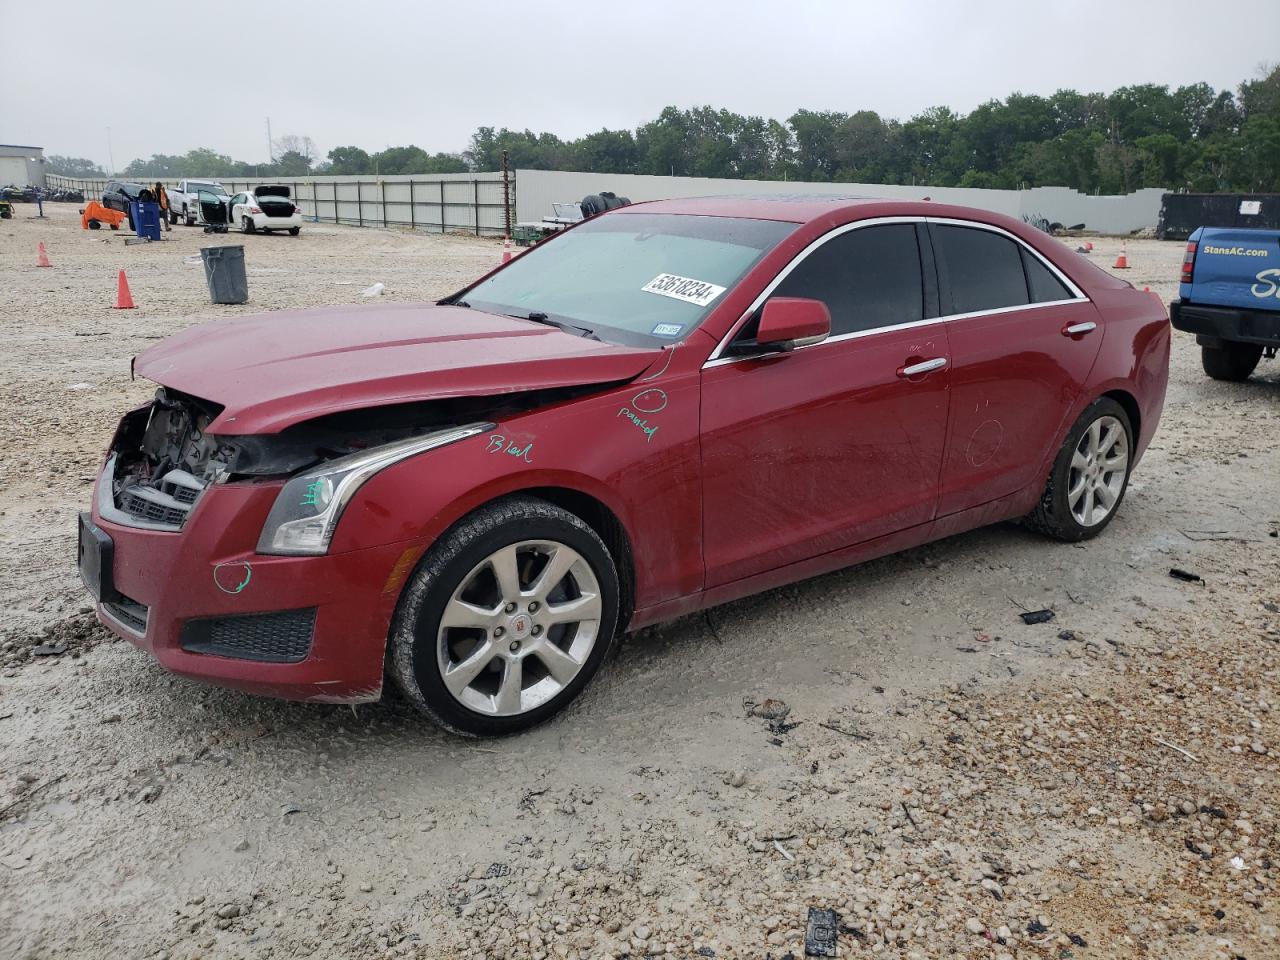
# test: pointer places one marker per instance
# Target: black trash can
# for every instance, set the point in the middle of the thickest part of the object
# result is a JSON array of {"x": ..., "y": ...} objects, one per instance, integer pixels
[{"x": 224, "y": 269}]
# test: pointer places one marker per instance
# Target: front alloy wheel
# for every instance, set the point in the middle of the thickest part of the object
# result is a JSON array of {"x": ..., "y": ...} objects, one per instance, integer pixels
[
  {"x": 506, "y": 619},
  {"x": 519, "y": 628}
]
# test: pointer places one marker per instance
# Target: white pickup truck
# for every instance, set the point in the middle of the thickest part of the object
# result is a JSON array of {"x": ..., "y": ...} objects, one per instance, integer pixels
[{"x": 183, "y": 204}]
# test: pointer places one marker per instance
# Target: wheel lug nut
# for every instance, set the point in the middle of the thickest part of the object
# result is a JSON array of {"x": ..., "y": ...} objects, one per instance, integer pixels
[
  {"x": 533, "y": 607},
  {"x": 498, "y": 631},
  {"x": 537, "y": 629},
  {"x": 511, "y": 608},
  {"x": 515, "y": 646}
]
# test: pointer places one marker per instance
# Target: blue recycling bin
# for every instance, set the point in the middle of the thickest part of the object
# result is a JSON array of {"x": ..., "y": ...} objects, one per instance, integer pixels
[{"x": 146, "y": 219}]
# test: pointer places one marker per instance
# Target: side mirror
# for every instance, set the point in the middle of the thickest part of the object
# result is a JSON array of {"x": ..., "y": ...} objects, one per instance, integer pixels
[{"x": 790, "y": 322}]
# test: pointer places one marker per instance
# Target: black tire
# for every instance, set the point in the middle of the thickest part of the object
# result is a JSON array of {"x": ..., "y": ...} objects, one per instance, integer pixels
[
  {"x": 246, "y": 225},
  {"x": 294, "y": 231},
  {"x": 95, "y": 224},
  {"x": 187, "y": 218},
  {"x": 412, "y": 654},
  {"x": 1052, "y": 515},
  {"x": 1231, "y": 361}
]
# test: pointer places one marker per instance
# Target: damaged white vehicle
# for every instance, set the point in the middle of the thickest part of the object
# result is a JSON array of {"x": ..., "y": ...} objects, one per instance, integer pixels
[{"x": 265, "y": 208}]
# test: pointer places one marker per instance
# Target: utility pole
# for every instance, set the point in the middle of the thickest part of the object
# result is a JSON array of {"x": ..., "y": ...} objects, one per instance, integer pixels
[{"x": 270, "y": 148}]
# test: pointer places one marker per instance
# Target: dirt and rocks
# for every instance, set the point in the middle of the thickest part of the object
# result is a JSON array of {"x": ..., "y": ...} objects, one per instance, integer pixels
[{"x": 947, "y": 779}]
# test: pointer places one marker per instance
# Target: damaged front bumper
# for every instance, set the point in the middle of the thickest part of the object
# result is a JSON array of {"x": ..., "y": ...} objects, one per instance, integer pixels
[
  {"x": 169, "y": 552},
  {"x": 206, "y": 606}
]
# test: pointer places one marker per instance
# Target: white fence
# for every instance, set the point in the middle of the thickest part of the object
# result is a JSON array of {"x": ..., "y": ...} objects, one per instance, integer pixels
[
  {"x": 476, "y": 202},
  {"x": 441, "y": 203}
]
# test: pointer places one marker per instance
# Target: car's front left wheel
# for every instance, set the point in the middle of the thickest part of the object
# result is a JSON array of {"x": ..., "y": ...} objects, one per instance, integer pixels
[{"x": 506, "y": 619}]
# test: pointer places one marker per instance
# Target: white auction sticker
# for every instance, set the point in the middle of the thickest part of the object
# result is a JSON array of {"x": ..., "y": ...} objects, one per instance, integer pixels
[{"x": 683, "y": 288}]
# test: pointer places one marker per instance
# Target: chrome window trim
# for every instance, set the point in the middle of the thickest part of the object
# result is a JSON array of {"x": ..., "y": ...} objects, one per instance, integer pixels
[{"x": 717, "y": 357}]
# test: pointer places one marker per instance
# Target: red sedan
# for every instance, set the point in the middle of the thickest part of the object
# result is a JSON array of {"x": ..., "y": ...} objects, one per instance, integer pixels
[{"x": 670, "y": 406}]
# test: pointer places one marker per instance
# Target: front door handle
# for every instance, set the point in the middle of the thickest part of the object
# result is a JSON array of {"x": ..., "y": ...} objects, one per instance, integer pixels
[
  {"x": 1079, "y": 329},
  {"x": 924, "y": 366}
]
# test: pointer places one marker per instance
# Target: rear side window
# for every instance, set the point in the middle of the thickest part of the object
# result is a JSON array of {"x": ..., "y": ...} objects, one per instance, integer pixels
[
  {"x": 868, "y": 278},
  {"x": 1043, "y": 286},
  {"x": 985, "y": 269}
]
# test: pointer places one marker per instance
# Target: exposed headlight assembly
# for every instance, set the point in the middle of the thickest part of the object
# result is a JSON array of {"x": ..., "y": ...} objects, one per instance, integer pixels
[{"x": 307, "y": 510}]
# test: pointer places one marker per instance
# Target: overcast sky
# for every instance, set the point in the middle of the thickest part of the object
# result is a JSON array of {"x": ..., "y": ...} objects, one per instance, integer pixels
[{"x": 168, "y": 76}]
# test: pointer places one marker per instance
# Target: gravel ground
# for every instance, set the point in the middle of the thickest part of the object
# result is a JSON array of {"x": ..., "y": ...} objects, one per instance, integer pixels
[{"x": 949, "y": 780}]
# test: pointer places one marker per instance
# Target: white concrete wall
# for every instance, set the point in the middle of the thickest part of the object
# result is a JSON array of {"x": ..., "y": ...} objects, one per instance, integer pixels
[
  {"x": 371, "y": 201},
  {"x": 1112, "y": 214},
  {"x": 537, "y": 189}
]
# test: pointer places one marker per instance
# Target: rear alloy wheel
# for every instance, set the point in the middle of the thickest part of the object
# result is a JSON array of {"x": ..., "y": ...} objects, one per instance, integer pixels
[
  {"x": 1089, "y": 476},
  {"x": 506, "y": 619},
  {"x": 1231, "y": 361},
  {"x": 246, "y": 225}
]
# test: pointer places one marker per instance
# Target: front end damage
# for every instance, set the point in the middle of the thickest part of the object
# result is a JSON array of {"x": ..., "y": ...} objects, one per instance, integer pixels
[
  {"x": 177, "y": 526},
  {"x": 161, "y": 462}
]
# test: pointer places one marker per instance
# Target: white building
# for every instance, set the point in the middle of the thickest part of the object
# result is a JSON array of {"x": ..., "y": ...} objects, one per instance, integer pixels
[{"x": 21, "y": 166}]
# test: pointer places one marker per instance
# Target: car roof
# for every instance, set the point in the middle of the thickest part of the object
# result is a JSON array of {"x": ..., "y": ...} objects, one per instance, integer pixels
[{"x": 802, "y": 208}]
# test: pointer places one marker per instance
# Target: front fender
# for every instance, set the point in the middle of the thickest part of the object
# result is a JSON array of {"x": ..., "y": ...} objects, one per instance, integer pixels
[{"x": 633, "y": 448}]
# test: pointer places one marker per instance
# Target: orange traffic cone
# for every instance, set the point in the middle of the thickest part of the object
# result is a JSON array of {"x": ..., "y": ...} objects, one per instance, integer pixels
[
  {"x": 124, "y": 299},
  {"x": 1088, "y": 245},
  {"x": 42, "y": 255},
  {"x": 1122, "y": 261},
  {"x": 506, "y": 250}
]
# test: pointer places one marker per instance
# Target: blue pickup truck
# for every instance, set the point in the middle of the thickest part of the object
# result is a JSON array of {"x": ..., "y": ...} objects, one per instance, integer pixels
[{"x": 1229, "y": 298}]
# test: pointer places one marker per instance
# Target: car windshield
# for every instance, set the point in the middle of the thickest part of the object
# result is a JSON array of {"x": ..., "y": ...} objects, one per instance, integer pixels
[
  {"x": 634, "y": 278},
  {"x": 211, "y": 187}
]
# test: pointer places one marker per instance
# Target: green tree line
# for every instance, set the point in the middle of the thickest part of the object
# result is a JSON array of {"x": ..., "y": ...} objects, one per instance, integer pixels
[{"x": 1190, "y": 137}]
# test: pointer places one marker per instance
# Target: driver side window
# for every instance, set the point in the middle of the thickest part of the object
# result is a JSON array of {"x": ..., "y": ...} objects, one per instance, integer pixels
[{"x": 868, "y": 278}]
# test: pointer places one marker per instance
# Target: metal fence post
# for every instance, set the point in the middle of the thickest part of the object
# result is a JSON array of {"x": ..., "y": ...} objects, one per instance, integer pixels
[
  {"x": 506, "y": 192},
  {"x": 442, "y": 206},
  {"x": 360, "y": 202},
  {"x": 413, "y": 219},
  {"x": 475, "y": 185},
  {"x": 382, "y": 199},
  {"x": 335, "y": 202}
]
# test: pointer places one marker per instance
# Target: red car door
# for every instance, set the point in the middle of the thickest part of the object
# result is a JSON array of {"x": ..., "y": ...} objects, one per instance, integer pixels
[
  {"x": 829, "y": 445},
  {"x": 1023, "y": 339}
]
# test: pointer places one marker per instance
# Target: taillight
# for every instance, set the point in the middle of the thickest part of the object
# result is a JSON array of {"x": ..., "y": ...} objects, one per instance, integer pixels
[
  {"x": 255, "y": 209},
  {"x": 1189, "y": 263}
]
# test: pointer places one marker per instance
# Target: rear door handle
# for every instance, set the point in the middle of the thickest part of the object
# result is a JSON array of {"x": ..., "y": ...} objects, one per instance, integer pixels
[
  {"x": 1079, "y": 329},
  {"x": 924, "y": 366}
]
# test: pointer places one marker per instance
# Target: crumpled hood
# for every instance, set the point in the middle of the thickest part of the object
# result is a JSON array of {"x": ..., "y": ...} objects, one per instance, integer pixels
[{"x": 271, "y": 371}]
